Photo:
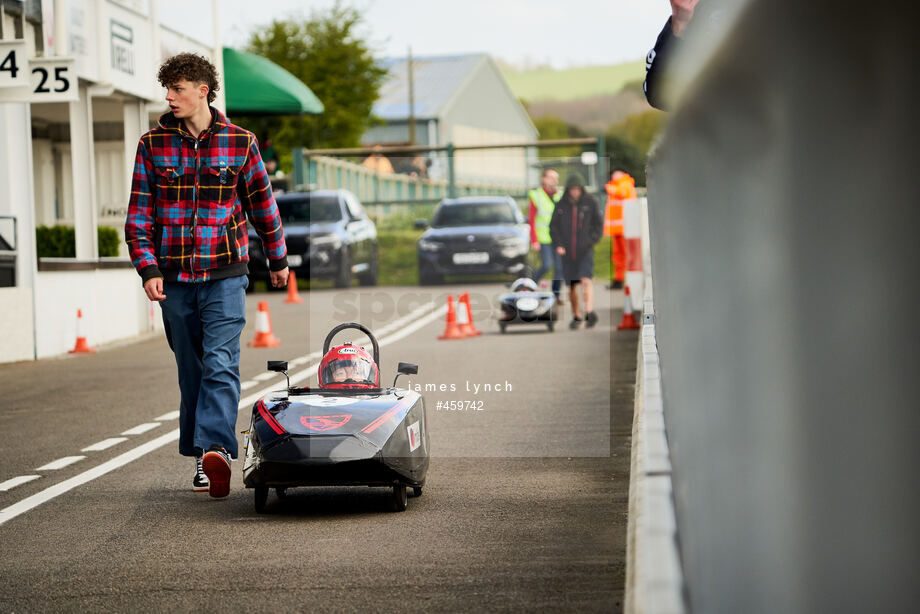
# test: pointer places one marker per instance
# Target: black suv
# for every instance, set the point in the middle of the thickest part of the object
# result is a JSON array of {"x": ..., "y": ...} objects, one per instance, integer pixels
[
  {"x": 328, "y": 236},
  {"x": 475, "y": 235}
]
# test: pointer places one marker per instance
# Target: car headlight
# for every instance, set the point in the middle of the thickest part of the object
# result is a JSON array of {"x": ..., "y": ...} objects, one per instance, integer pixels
[
  {"x": 512, "y": 241},
  {"x": 326, "y": 242},
  {"x": 429, "y": 246}
]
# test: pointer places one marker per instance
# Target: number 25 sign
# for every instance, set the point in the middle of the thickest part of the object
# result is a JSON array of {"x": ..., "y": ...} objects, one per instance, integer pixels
[{"x": 53, "y": 80}]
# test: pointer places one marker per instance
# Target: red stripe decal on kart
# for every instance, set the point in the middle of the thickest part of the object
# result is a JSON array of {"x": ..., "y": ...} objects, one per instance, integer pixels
[
  {"x": 270, "y": 419},
  {"x": 324, "y": 423},
  {"x": 383, "y": 418}
]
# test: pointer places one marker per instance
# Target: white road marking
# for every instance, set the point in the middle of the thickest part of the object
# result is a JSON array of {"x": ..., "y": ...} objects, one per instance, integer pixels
[
  {"x": 58, "y": 489},
  {"x": 14, "y": 482},
  {"x": 248, "y": 384},
  {"x": 142, "y": 428},
  {"x": 261, "y": 377},
  {"x": 104, "y": 444},
  {"x": 51, "y": 492},
  {"x": 60, "y": 463},
  {"x": 173, "y": 415}
]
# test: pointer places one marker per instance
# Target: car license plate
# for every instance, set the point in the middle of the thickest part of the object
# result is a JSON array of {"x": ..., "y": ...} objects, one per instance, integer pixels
[
  {"x": 471, "y": 258},
  {"x": 294, "y": 260}
]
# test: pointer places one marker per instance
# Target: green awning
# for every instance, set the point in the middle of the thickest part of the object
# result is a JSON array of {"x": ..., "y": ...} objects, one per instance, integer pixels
[{"x": 257, "y": 86}]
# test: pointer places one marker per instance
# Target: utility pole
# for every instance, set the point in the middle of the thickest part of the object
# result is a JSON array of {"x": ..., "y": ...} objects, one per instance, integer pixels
[{"x": 411, "y": 99}]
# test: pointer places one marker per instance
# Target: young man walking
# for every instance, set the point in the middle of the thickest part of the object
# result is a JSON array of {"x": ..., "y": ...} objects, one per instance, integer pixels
[{"x": 197, "y": 178}]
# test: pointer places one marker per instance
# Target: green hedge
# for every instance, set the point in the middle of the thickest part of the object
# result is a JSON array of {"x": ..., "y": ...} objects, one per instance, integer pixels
[{"x": 60, "y": 242}]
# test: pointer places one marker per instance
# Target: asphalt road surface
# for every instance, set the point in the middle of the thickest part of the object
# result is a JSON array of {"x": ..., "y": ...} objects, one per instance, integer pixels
[{"x": 524, "y": 508}]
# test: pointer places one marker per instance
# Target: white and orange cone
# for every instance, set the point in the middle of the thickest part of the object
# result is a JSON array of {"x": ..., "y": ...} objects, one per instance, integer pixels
[
  {"x": 293, "y": 296},
  {"x": 452, "y": 330},
  {"x": 264, "y": 338},
  {"x": 466, "y": 324},
  {"x": 81, "y": 346},
  {"x": 629, "y": 319}
]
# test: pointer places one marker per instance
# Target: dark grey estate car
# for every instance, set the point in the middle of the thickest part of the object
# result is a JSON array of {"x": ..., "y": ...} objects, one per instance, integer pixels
[
  {"x": 479, "y": 235},
  {"x": 328, "y": 236}
]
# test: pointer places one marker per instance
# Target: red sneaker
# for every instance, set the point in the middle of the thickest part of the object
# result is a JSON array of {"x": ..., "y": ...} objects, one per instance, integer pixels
[{"x": 216, "y": 465}]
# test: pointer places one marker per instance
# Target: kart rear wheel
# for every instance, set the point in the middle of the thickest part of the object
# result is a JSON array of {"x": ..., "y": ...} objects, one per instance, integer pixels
[
  {"x": 416, "y": 491},
  {"x": 501, "y": 327},
  {"x": 261, "y": 498},
  {"x": 281, "y": 492},
  {"x": 400, "y": 498},
  {"x": 550, "y": 326}
]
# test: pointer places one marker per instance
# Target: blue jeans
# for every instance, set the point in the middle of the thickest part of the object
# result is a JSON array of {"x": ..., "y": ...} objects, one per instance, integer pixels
[
  {"x": 203, "y": 324},
  {"x": 549, "y": 258}
]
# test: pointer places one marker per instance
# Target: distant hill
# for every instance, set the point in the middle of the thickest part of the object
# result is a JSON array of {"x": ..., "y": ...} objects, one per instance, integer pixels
[
  {"x": 574, "y": 83},
  {"x": 594, "y": 115}
]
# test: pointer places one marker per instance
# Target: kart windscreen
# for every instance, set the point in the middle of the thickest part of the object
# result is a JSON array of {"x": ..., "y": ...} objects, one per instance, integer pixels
[{"x": 473, "y": 214}]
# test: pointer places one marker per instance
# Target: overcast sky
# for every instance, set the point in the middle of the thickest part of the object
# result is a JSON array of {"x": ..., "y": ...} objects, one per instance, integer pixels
[{"x": 560, "y": 33}]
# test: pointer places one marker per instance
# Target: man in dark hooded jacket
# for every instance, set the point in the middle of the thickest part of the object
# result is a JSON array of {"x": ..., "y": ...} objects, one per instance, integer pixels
[{"x": 575, "y": 228}]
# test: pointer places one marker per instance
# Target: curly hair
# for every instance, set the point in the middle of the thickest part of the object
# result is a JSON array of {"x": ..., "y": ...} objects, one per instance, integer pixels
[{"x": 192, "y": 67}]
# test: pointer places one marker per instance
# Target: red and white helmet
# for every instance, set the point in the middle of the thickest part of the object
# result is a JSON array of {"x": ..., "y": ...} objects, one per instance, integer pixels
[{"x": 348, "y": 366}]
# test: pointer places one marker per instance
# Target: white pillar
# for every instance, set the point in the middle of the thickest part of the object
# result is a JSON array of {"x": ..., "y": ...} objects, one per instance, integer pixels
[
  {"x": 136, "y": 123},
  {"x": 61, "y": 20},
  {"x": 221, "y": 101},
  {"x": 84, "y": 175}
]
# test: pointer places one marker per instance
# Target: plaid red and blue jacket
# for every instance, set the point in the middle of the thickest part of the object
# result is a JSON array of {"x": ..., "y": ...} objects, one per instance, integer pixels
[{"x": 190, "y": 199}]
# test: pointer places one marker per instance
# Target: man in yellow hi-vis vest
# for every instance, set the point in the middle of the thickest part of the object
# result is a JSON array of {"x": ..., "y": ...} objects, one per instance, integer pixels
[
  {"x": 621, "y": 187},
  {"x": 542, "y": 202}
]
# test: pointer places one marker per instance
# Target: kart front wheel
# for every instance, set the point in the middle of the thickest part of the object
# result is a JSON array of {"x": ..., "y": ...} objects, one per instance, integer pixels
[
  {"x": 281, "y": 492},
  {"x": 416, "y": 491},
  {"x": 400, "y": 498},
  {"x": 261, "y": 498}
]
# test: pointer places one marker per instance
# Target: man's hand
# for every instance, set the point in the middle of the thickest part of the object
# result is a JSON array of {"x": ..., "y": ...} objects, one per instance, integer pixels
[
  {"x": 681, "y": 14},
  {"x": 560, "y": 250},
  {"x": 154, "y": 289},
  {"x": 535, "y": 246},
  {"x": 280, "y": 278}
]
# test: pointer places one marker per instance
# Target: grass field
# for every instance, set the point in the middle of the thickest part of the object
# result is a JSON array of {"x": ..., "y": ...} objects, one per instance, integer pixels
[
  {"x": 574, "y": 83},
  {"x": 399, "y": 262}
]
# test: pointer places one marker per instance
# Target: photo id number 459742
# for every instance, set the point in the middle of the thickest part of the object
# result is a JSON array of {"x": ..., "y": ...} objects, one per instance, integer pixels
[{"x": 459, "y": 405}]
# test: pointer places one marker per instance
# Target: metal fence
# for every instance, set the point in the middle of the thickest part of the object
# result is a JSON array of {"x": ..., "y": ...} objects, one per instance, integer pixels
[{"x": 397, "y": 198}]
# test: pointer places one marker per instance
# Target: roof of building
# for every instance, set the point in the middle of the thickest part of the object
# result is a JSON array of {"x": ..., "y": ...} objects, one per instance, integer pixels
[{"x": 437, "y": 79}]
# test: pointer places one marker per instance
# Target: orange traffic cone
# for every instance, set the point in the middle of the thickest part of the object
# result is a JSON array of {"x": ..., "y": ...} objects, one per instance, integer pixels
[
  {"x": 629, "y": 320},
  {"x": 452, "y": 331},
  {"x": 293, "y": 296},
  {"x": 466, "y": 323},
  {"x": 81, "y": 346},
  {"x": 264, "y": 338}
]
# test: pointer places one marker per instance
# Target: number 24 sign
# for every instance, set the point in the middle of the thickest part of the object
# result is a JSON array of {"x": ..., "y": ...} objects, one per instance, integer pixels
[{"x": 49, "y": 79}]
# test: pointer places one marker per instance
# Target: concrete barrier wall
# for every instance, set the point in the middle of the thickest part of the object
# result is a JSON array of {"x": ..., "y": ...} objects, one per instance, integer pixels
[
  {"x": 783, "y": 214},
  {"x": 113, "y": 302},
  {"x": 16, "y": 329}
]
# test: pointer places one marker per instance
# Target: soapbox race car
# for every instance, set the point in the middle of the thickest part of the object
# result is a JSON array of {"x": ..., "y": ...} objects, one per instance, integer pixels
[
  {"x": 347, "y": 432},
  {"x": 526, "y": 304}
]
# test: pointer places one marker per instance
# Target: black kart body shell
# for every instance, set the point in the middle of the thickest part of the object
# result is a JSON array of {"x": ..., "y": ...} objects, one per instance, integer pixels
[
  {"x": 527, "y": 307},
  {"x": 318, "y": 438}
]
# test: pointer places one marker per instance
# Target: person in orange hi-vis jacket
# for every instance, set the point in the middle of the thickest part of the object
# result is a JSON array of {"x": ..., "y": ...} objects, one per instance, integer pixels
[{"x": 621, "y": 187}]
